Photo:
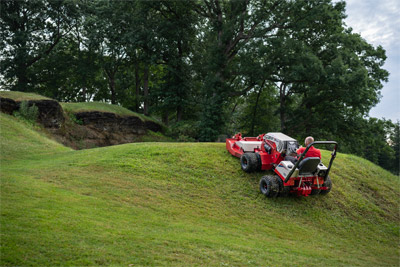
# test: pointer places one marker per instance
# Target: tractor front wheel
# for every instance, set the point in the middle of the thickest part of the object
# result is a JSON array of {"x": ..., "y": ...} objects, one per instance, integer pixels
[
  {"x": 283, "y": 190},
  {"x": 269, "y": 186},
  {"x": 249, "y": 162},
  {"x": 327, "y": 183}
]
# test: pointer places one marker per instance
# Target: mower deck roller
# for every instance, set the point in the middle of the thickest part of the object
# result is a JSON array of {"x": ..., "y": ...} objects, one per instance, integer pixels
[{"x": 303, "y": 176}]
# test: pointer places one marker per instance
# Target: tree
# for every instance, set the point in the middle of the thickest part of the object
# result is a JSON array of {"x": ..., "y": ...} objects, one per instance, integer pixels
[
  {"x": 31, "y": 30},
  {"x": 345, "y": 86},
  {"x": 177, "y": 32},
  {"x": 257, "y": 114},
  {"x": 394, "y": 137},
  {"x": 229, "y": 26},
  {"x": 105, "y": 31},
  {"x": 234, "y": 28}
]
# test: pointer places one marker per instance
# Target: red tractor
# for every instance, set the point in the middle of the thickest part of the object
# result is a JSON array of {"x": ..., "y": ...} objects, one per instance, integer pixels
[{"x": 302, "y": 176}]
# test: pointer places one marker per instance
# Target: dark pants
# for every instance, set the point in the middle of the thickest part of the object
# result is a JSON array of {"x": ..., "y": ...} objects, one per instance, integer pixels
[{"x": 291, "y": 159}]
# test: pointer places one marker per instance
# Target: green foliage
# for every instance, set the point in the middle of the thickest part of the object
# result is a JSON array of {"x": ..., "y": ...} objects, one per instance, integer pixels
[
  {"x": 71, "y": 74},
  {"x": 182, "y": 204},
  {"x": 203, "y": 62},
  {"x": 212, "y": 120},
  {"x": 30, "y": 31},
  {"x": 73, "y": 118},
  {"x": 394, "y": 142},
  {"x": 27, "y": 112},
  {"x": 257, "y": 114},
  {"x": 184, "y": 131}
]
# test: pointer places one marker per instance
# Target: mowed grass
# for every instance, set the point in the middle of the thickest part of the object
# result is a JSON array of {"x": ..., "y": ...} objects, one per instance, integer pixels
[
  {"x": 21, "y": 96},
  {"x": 181, "y": 204},
  {"x": 79, "y": 106},
  {"x": 102, "y": 107}
]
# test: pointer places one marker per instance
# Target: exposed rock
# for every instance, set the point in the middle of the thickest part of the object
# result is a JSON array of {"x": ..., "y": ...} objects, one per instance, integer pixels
[
  {"x": 98, "y": 128},
  {"x": 8, "y": 105},
  {"x": 50, "y": 111},
  {"x": 105, "y": 121},
  {"x": 104, "y": 128}
]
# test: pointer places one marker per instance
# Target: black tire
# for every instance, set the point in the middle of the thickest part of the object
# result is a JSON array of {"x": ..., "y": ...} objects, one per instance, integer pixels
[
  {"x": 283, "y": 190},
  {"x": 258, "y": 166},
  {"x": 249, "y": 162},
  {"x": 269, "y": 186},
  {"x": 327, "y": 183},
  {"x": 315, "y": 192}
]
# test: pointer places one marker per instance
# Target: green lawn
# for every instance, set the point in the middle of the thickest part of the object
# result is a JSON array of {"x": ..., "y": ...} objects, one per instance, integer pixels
[
  {"x": 100, "y": 106},
  {"x": 20, "y": 96},
  {"x": 182, "y": 204}
]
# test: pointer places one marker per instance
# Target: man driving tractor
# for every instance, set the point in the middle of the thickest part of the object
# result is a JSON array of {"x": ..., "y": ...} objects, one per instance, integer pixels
[
  {"x": 305, "y": 175},
  {"x": 312, "y": 152}
]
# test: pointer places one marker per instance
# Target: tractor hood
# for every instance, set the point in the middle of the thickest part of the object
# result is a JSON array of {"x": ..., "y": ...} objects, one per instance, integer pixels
[{"x": 283, "y": 142}]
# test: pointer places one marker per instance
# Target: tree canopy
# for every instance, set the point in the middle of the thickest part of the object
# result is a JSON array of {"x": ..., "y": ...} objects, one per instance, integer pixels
[{"x": 206, "y": 68}]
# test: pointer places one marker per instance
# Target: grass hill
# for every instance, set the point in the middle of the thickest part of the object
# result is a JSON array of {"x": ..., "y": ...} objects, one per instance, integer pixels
[
  {"x": 71, "y": 107},
  {"x": 22, "y": 96},
  {"x": 182, "y": 204},
  {"x": 103, "y": 107},
  {"x": 85, "y": 124}
]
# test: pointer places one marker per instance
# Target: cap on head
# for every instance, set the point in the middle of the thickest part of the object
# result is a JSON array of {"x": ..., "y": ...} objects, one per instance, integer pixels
[{"x": 308, "y": 140}]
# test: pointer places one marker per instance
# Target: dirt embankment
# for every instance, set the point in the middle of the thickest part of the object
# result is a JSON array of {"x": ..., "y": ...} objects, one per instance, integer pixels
[
  {"x": 96, "y": 129},
  {"x": 85, "y": 129},
  {"x": 50, "y": 111}
]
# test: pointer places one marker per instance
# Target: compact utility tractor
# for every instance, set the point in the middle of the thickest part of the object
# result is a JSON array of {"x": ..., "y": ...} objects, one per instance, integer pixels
[{"x": 302, "y": 176}]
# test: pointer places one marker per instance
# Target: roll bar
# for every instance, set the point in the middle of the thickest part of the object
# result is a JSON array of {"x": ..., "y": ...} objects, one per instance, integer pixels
[{"x": 305, "y": 151}]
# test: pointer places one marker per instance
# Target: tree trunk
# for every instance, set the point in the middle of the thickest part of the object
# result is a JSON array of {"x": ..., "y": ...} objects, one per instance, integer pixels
[
  {"x": 282, "y": 97},
  {"x": 112, "y": 88},
  {"x": 165, "y": 117},
  {"x": 22, "y": 79},
  {"x": 253, "y": 120},
  {"x": 179, "y": 107},
  {"x": 179, "y": 112},
  {"x": 111, "y": 83},
  {"x": 84, "y": 94},
  {"x": 137, "y": 88},
  {"x": 146, "y": 90}
]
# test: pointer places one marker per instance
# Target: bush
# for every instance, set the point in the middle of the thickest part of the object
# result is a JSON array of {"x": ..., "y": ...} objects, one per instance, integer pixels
[
  {"x": 184, "y": 131},
  {"x": 184, "y": 138},
  {"x": 26, "y": 112},
  {"x": 74, "y": 119}
]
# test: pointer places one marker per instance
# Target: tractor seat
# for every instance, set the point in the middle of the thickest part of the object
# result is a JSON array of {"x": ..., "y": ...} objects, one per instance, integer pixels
[{"x": 309, "y": 165}]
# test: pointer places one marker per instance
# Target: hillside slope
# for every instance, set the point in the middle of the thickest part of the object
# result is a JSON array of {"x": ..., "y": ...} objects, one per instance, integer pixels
[
  {"x": 182, "y": 204},
  {"x": 86, "y": 124}
]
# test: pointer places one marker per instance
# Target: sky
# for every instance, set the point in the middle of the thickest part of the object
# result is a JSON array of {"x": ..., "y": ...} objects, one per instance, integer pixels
[{"x": 378, "y": 22}]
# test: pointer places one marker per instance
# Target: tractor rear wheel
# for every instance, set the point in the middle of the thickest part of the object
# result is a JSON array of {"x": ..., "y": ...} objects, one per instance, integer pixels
[
  {"x": 269, "y": 186},
  {"x": 327, "y": 183},
  {"x": 249, "y": 162},
  {"x": 315, "y": 192}
]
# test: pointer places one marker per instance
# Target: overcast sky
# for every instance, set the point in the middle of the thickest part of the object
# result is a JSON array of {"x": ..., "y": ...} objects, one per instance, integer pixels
[{"x": 378, "y": 21}]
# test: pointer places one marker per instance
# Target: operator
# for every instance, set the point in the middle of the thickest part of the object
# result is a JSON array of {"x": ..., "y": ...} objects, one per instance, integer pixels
[
  {"x": 292, "y": 157},
  {"x": 312, "y": 152}
]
